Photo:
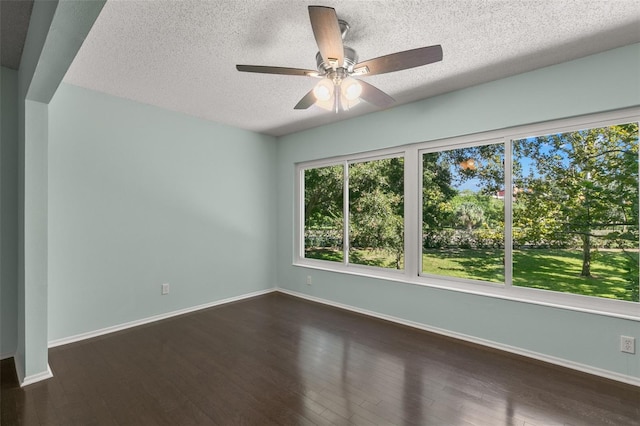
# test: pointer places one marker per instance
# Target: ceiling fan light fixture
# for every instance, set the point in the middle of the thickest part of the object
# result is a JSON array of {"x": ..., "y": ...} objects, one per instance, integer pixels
[
  {"x": 323, "y": 90},
  {"x": 351, "y": 89}
]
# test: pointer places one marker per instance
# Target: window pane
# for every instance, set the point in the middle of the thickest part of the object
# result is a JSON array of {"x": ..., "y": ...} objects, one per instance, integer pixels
[
  {"x": 575, "y": 225},
  {"x": 323, "y": 213},
  {"x": 463, "y": 213},
  {"x": 376, "y": 213}
]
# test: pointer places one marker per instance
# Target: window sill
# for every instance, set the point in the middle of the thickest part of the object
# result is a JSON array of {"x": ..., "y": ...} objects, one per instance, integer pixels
[{"x": 574, "y": 302}]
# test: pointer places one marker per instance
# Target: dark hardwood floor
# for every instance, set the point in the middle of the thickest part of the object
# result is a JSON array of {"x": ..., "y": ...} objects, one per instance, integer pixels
[{"x": 279, "y": 360}]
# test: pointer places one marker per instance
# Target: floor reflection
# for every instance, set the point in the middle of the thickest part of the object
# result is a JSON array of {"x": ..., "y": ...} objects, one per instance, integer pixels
[
  {"x": 352, "y": 376},
  {"x": 279, "y": 360}
]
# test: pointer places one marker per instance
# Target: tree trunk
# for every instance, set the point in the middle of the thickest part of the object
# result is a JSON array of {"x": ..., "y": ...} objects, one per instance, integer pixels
[{"x": 586, "y": 256}]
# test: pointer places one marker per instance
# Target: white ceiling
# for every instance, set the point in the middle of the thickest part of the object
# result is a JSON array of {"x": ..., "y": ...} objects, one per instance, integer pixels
[{"x": 181, "y": 55}]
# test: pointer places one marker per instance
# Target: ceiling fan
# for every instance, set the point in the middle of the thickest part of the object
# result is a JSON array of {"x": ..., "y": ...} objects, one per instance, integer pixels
[{"x": 337, "y": 64}]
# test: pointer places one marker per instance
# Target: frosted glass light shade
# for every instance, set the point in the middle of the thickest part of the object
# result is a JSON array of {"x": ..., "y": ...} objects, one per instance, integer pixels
[
  {"x": 323, "y": 90},
  {"x": 351, "y": 89}
]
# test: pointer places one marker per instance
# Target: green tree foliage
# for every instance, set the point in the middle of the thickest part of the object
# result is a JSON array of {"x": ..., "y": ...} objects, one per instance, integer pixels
[
  {"x": 487, "y": 166},
  {"x": 579, "y": 185},
  {"x": 324, "y": 211},
  {"x": 323, "y": 198},
  {"x": 437, "y": 191},
  {"x": 376, "y": 197},
  {"x": 570, "y": 190},
  {"x": 442, "y": 202},
  {"x": 491, "y": 207},
  {"x": 469, "y": 215}
]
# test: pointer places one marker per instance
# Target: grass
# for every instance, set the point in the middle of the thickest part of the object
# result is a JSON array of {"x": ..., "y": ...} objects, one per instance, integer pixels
[
  {"x": 548, "y": 269},
  {"x": 559, "y": 270},
  {"x": 479, "y": 264},
  {"x": 379, "y": 258}
]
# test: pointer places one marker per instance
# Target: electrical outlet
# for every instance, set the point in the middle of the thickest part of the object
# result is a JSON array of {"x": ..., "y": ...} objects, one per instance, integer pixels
[
  {"x": 628, "y": 344},
  {"x": 165, "y": 288},
  {"x": 309, "y": 281}
]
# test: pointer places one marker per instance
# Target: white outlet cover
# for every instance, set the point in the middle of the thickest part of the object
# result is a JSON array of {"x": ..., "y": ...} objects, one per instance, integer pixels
[
  {"x": 628, "y": 344},
  {"x": 165, "y": 288}
]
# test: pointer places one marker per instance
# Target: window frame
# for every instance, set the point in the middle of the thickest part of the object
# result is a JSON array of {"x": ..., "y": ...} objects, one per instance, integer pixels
[
  {"x": 344, "y": 161},
  {"x": 507, "y": 206},
  {"x": 412, "y": 273}
]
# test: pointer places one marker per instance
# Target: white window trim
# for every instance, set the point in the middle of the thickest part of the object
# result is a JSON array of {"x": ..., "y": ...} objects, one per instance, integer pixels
[
  {"x": 413, "y": 247},
  {"x": 507, "y": 203}
]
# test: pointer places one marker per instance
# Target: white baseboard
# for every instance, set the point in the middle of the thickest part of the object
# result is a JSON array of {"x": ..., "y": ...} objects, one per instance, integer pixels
[
  {"x": 507, "y": 348},
  {"x": 124, "y": 326},
  {"x": 33, "y": 378}
]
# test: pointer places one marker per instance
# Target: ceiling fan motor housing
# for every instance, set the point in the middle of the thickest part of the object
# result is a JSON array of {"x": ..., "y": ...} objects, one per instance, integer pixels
[
  {"x": 350, "y": 55},
  {"x": 350, "y": 59}
]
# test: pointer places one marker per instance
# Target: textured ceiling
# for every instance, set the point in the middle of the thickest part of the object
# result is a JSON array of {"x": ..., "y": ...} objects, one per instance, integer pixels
[
  {"x": 14, "y": 21},
  {"x": 181, "y": 55}
]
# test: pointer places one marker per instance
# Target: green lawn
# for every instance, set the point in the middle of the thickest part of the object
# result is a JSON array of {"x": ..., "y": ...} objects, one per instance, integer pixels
[
  {"x": 360, "y": 257},
  {"x": 559, "y": 270},
  {"x": 549, "y": 269}
]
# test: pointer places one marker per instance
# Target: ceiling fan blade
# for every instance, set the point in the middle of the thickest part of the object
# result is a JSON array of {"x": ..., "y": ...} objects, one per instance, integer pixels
[
  {"x": 375, "y": 96},
  {"x": 308, "y": 100},
  {"x": 326, "y": 30},
  {"x": 277, "y": 70},
  {"x": 400, "y": 61}
]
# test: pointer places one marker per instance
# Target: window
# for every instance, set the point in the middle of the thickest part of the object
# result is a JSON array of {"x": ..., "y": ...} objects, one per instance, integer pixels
[
  {"x": 375, "y": 213},
  {"x": 463, "y": 213},
  {"x": 545, "y": 213},
  {"x": 575, "y": 212},
  {"x": 323, "y": 213}
]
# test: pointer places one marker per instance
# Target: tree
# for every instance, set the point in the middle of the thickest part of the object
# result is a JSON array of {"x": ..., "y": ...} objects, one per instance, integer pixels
[
  {"x": 376, "y": 206},
  {"x": 469, "y": 215},
  {"x": 491, "y": 207},
  {"x": 437, "y": 191},
  {"x": 580, "y": 184},
  {"x": 323, "y": 189},
  {"x": 443, "y": 171},
  {"x": 323, "y": 199}
]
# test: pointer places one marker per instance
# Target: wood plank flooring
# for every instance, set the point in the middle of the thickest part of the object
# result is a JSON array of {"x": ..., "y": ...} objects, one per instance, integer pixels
[{"x": 279, "y": 360}]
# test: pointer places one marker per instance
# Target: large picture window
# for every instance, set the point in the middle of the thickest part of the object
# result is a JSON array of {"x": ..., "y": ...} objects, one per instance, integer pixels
[
  {"x": 323, "y": 213},
  {"x": 375, "y": 212},
  {"x": 575, "y": 212},
  {"x": 463, "y": 213},
  {"x": 544, "y": 213}
]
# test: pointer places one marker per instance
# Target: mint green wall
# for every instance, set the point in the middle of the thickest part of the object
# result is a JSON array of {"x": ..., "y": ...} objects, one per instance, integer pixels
[
  {"x": 56, "y": 32},
  {"x": 31, "y": 350},
  {"x": 597, "y": 83},
  {"x": 140, "y": 196},
  {"x": 32, "y": 273},
  {"x": 8, "y": 212}
]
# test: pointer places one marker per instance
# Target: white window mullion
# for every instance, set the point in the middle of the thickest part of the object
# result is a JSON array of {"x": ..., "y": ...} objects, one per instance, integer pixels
[
  {"x": 299, "y": 212},
  {"x": 412, "y": 213},
  {"x": 345, "y": 214},
  {"x": 508, "y": 213}
]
